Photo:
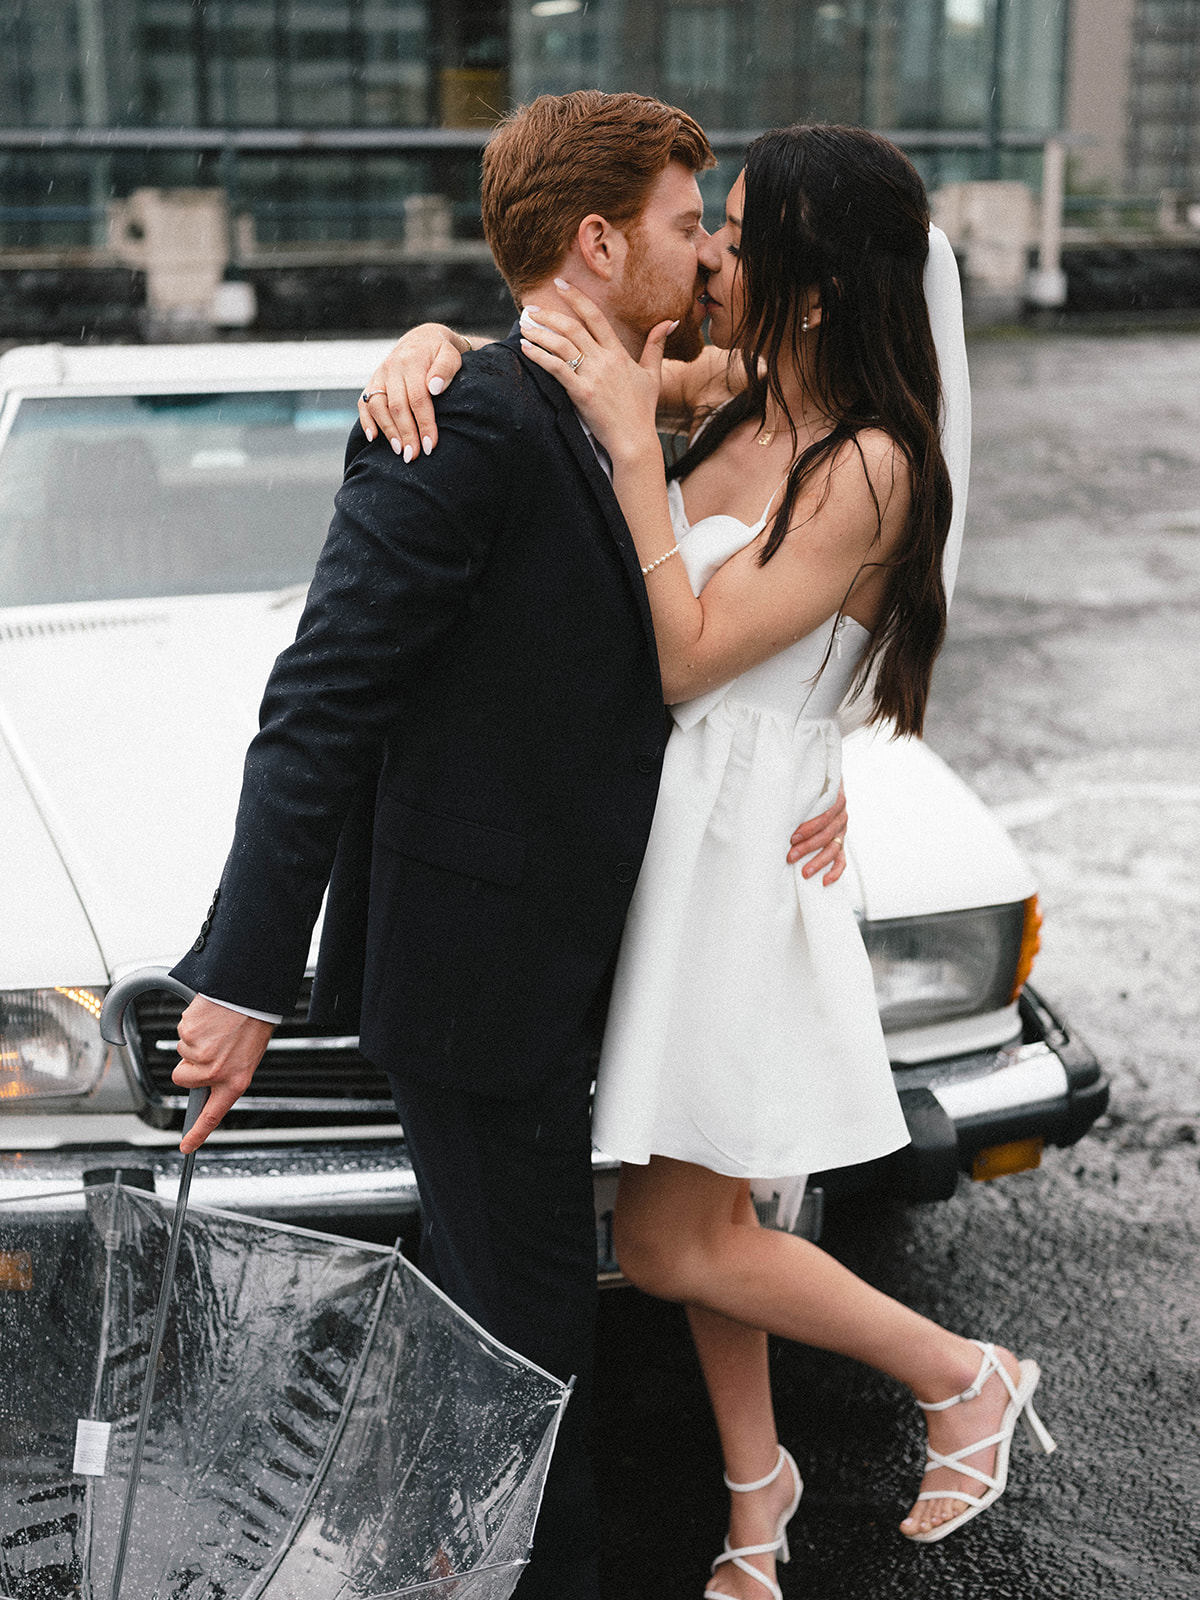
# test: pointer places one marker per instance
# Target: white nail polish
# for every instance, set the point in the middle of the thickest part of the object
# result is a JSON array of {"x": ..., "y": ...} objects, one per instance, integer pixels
[
  {"x": 561, "y": 283},
  {"x": 427, "y": 444},
  {"x": 409, "y": 452},
  {"x": 396, "y": 446},
  {"x": 528, "y": 321},
  {"x": 436, "y": 385}
]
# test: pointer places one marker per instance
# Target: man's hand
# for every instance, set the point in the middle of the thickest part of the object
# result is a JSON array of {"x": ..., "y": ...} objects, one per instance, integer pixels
[
  {"x": 824, "y": 835},
  {"x": 396, "y": 399},
  {"x": 220, "y": 1050}
]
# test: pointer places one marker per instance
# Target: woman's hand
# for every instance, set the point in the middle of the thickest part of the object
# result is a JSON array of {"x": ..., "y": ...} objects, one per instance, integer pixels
[
  {"x": 616, "y": 395},
  {"x": 825, "y": 835},
  {"x": 396, "y": 401}
]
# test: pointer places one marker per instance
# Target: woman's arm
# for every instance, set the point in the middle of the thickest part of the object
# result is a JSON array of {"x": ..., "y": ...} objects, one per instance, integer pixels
[
  {"x": 397, "y": 398},
  {"x": 689, "y": 388},
  {"x": 746, "y": 612}
]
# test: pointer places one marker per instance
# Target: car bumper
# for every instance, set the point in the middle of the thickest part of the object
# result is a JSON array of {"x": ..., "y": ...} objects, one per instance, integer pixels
[
  {"x": 1048, "y": 1087},
  {"x": 1045, "y": 1089}
]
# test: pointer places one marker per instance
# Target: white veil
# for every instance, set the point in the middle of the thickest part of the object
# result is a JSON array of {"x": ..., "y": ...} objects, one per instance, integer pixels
[{"x": 943, "y": 296}]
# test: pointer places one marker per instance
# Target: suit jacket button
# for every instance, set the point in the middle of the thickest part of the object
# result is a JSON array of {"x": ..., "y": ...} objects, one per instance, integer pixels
[
  {"x": 645, "y": 764},
  {"x": 205, "y": 926},
  {"x": 216, "y": 894},
  {"x": 199, "y": 945},
  {"x": 625, "y": 873}
]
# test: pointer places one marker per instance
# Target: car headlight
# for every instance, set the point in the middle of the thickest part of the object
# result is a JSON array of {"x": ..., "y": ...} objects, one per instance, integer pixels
[
  {"x": 955, "y": 964},
  {"x": 50, "y": 1043}
]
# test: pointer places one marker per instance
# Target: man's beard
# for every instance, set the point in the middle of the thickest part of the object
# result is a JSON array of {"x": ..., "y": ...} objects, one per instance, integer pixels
[
  {"x": 646, "y": 300},
  {"x": 686, "y": 343}
]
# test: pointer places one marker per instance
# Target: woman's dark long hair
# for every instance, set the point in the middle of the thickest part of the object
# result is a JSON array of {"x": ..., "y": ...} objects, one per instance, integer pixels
[{"x": 841, "y": 212}]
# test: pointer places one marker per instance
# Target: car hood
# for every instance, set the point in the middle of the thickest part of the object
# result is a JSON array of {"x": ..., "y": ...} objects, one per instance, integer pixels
[
  {"x": 919, "y": 841},
  {"x": 126, "y": 724}
]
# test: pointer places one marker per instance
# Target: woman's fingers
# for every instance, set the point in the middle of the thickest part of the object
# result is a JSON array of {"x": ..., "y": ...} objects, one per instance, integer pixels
[
  {"x": 588, "y": 312},
  {"x": 652, "y": 352},
  {"x": 819, "y": 842},
  {"x": 397, "y": 400},
  {"x": 542, "y": 358},
  {"x": 536, "y": 328},
  {"x": 401, "y": 411},
  {"x": 831, "y": 860}
]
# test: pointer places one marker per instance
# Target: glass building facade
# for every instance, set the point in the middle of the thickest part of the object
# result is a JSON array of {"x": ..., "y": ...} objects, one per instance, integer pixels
[
  {"x": 1163, "y": 150},
  {"x": 961, "y": 81}
]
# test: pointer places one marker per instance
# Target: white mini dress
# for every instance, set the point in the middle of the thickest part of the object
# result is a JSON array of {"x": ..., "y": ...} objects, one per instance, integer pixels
[{"x": 743, "y": 1033}]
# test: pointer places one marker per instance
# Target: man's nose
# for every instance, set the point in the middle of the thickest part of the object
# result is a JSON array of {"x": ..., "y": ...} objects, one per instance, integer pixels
[{"x": 707, "y": 253}]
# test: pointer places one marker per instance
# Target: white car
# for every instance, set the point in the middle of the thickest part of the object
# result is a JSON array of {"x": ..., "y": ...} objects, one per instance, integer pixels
[{"x": 160, "y": 513}]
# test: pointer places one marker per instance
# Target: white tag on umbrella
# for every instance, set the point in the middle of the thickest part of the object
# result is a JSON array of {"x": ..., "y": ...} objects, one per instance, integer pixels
[{"x": 91, "y": 1447}]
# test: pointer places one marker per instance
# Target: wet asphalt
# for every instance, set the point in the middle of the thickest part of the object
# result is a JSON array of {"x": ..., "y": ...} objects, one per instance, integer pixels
[{"x": 1069, "y": 697}]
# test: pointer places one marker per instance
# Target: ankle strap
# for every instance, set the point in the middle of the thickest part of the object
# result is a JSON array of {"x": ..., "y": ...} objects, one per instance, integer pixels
[
  {"x": 761, "y": 1483},
  {"x": 987, "y": 1366}
]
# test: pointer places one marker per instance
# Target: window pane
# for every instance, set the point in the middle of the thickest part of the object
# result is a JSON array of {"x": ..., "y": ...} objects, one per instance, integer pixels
[{"x": 128, "y": 497}]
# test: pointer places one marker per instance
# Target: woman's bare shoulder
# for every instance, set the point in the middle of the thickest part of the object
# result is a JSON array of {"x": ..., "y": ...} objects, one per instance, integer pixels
[{"x": 875, "y": 454}]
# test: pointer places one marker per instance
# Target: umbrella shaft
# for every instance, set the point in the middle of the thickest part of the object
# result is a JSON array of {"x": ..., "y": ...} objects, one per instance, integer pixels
[{"x": 156, "y": 1343}]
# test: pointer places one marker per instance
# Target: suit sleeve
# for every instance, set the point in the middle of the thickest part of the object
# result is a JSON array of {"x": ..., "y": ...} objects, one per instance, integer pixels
[{"x": 402, "y": 556}]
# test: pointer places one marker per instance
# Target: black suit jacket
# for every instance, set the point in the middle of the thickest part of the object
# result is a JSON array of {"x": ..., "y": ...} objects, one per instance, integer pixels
[{"x": 470, "y": 720}]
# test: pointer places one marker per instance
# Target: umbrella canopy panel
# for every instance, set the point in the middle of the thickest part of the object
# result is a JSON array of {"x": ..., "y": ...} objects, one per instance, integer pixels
[{"x": 326, "y": 1424}]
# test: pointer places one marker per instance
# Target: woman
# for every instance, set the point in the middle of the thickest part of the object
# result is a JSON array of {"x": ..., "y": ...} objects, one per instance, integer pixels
[{"x": 795, "y": 558}]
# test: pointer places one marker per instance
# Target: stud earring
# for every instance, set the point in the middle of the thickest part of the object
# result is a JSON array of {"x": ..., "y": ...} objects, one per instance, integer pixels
[{"x": 804, "y": 325}]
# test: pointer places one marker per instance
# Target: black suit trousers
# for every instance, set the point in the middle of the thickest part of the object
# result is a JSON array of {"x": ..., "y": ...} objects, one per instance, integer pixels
[{"x": 509, "y": 1233}]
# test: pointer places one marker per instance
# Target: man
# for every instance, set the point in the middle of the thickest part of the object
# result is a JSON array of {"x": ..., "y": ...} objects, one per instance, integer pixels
[{"x": 464, "y": 742}]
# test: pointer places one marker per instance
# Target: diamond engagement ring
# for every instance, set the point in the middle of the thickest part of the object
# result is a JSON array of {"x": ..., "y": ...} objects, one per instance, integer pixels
[{"x": 578, "y": 361}]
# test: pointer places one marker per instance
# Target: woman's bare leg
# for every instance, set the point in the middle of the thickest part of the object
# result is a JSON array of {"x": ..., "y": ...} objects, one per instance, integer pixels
[
  {"x": 733, "y": 1358},
  {"x": 676, "y": 1237}
]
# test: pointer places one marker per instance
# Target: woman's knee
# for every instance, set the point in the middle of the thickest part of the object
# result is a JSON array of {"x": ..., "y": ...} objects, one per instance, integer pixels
[{"x": 649, "y": 1259}]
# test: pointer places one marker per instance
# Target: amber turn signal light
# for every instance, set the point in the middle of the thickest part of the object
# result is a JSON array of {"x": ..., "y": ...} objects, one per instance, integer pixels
[
  {"x": 16, "y": 1269},
  {"x": 999, "y": 1160},
  {"x": 1031, "y": 943}
]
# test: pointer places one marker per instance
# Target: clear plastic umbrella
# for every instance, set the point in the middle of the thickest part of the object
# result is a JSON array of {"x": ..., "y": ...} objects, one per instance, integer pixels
[{"x": 326, "y": 1425}]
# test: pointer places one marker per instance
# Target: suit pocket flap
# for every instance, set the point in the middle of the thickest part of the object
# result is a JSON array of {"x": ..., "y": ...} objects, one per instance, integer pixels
[{"x": 457, "y": 845}]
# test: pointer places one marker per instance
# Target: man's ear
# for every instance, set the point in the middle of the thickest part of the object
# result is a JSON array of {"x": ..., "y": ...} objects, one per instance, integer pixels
[{"x": 602, "y": 248}]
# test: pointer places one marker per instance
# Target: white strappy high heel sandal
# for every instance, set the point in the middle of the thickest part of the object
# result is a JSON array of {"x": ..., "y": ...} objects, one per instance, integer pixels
[
  {"x": 778, "y": 1546},
  {"x": 1020, "y": 1405}
]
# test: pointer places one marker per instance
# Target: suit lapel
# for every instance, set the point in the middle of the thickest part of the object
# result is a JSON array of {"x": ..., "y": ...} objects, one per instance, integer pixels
[{"x": 578, "y": 444}]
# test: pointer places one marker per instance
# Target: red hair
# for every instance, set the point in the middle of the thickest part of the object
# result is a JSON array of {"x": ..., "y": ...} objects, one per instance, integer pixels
[{"x": 563, "y": 157}]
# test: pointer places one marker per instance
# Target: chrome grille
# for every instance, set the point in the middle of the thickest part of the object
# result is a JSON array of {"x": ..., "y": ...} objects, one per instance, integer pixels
[{"x": 304, "y": 1069}]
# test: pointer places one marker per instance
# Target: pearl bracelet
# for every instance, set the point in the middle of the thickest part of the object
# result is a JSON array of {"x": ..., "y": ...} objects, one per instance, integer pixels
[{"x": 672, "y": 551}]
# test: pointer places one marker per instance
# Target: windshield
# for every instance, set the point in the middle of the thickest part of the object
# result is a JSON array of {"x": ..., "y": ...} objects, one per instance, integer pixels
[{"x": 127, "y": 497}]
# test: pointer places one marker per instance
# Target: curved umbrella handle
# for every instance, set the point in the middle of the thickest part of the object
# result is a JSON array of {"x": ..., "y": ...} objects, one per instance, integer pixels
[
  {"x": 112, "y": 1018},
  {"x": 112, "y": 1012}
]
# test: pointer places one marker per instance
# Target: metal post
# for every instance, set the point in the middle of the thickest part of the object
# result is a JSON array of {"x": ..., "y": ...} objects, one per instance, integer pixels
[
  {"x": 93, "y": 79},
  {"x": 995, "y": 113},
  {"x": 1047, "y": 284}
]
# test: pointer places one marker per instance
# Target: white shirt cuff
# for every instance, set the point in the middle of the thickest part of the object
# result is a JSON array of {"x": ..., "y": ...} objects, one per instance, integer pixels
[{"x": 245, "y": 1011}]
